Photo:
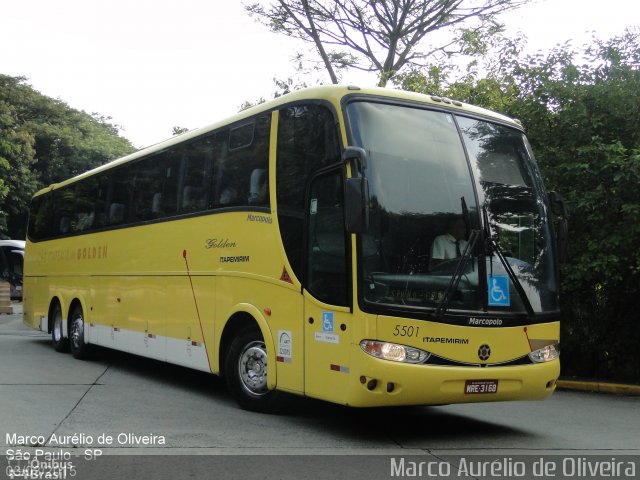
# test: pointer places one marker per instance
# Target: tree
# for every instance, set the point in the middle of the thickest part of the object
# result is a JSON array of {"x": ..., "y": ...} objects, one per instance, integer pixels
[
  {"x": 580, "y": 110},
  {"x": 178, "y": 130},
  {"x": 43, "y": 141},
  {"x": 17, "y": 181},
  {"x": 382, "y": 36},
  {"x": 583, "y": 122},
  {"x": 283, "y": 87}
]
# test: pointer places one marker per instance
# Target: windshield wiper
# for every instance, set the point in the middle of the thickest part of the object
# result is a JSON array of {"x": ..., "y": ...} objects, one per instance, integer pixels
[
  {"x": 492, "y": 246},
  {"x": 462, "y": 263},
  {"x": 457, "y": 274}
]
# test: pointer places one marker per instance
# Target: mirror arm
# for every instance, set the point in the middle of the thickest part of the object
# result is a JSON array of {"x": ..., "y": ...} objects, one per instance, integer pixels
[
  {"x": 356, "y": 191},
  {"x": 357, "y": 156}
]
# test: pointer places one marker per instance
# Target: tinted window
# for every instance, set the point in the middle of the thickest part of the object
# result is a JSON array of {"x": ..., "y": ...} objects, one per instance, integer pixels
[
  {"x": 307, "y": 142},
  {"x": 40, "y": 217},
  {"x": 327, "y": 268},
  {"x": 120, "y": 195},
  {"x": 89, "y": 207},
  {"x": 228, "y": 168},
  {"x": 156, "y": 187},
  {"x": 242, "y": 166},
  {"x": 196, "y": 170},
  {"x": 510, "y": 187},
  {"x": 241, "y": 137},
  {"x": 420, "y": 187}
]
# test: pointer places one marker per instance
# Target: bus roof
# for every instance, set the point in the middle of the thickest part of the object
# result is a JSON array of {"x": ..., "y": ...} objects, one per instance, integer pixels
[{"x": 331, "y": 93}]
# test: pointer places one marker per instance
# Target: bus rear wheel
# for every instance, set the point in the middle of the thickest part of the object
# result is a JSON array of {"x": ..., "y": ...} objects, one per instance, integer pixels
[
  {"x": 79, "y": 349},
  {"x": 246, "y": 372},
  {"x": 58, "y": 341}
]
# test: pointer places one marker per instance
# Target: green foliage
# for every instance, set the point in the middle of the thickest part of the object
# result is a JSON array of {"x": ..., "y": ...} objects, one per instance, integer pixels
[
  {"x": 580, "y": 107},
  {"x": 178, "y": 130},
  {"x": 283, "y": 87},
  {"x": 43, "y": 141}
]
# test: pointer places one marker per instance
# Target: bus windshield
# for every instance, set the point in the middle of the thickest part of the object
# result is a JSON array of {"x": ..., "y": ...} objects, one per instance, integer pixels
[{"x": 436, "y": 181}]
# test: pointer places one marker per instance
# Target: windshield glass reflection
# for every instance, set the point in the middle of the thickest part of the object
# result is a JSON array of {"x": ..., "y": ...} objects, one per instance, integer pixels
[
  {"x": 418, "y": 178},
  {"x": 424, "y": 209},
  {"x": 509, "y": 186}
]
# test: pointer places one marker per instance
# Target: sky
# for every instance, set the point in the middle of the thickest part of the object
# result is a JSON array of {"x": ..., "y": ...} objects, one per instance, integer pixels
[{"x": 151, "y": 65}]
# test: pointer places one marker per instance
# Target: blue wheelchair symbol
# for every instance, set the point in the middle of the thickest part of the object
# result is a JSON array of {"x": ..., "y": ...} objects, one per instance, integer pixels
[
  {"x": 327, "y": 322},
  {"x": 499, "y": 291}
]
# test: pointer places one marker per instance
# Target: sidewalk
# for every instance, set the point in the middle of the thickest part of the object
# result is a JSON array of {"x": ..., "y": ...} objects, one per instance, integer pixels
[{"x": 599, "y": 386}]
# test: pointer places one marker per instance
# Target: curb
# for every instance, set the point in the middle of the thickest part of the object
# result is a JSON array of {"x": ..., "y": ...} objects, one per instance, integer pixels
[{"x": 601, "y": 387}]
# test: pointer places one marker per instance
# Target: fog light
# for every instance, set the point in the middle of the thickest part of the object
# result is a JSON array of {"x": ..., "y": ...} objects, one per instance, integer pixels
[{"x": 545, "y": 354}]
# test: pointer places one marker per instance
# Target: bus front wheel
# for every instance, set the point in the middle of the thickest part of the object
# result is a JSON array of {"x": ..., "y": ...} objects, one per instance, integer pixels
[
  {"x": 246, "y": 372},
  {"x": 79, "y": 349},
  {"x": 59, "y": 343}
]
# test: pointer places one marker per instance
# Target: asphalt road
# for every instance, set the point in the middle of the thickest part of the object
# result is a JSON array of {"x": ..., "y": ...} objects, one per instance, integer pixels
[{"x": 129, "y": 410}]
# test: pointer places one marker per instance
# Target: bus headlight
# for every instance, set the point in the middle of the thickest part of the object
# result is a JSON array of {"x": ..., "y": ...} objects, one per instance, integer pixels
[
  {"x": 545, "y": 354},
  {"x": 394, "y": 352}
]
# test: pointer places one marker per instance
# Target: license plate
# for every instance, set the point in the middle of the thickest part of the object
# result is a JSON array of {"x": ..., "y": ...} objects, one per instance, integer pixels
[{"x": 477, "y": 387}]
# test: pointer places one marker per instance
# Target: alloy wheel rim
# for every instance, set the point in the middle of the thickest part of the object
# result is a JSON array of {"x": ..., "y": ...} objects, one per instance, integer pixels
[
  {"x": 77, "y": 331},
  {"x": 252, "y": 368}
]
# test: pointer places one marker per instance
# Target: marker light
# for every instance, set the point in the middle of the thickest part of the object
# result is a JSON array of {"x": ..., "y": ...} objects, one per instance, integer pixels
[
  {"x": 545, "y": 354},
  {"x": 394, "y": 352}
]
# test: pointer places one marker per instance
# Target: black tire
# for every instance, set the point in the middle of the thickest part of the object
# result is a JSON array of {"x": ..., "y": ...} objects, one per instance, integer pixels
[
  {"x": 59, "y": 343},
  {"x": 245, "y": 369},
  {"x": 79, "y": 349}
]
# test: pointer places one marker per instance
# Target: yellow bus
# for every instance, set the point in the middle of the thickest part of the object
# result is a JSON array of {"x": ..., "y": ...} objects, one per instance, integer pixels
[{"x": 367, "y": 247}]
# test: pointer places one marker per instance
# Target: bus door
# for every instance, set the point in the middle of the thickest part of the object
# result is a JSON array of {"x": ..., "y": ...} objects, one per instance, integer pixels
[{"x": 327, "y": 293}]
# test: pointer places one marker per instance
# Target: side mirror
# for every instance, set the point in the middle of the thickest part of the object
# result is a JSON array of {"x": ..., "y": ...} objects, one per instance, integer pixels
[
  {"x": 562, "y": 226},
  {"x": 356, "y": 191}
]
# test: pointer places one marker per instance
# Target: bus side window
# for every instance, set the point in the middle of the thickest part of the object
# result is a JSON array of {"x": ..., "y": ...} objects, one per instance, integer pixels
[
  {"x": 116, "y": 214},
  {"x": 238, "y": 181},
  {"x": 307, "y": 142},
  {"x": 258, "y": 187},
  {"x": 168, "y": 165},
  {"x": 224, "y": 191},
  {"x": 86, "y": 202},
  {"x": 40, "y": 211},
  {"x": 196, "y": 172},
  {"x": 64, "y": 206}
]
